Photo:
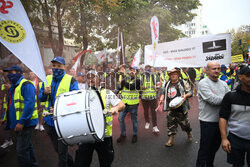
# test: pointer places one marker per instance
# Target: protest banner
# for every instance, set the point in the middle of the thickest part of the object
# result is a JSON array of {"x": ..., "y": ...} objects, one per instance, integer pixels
[{"x": 192, "y": 52}]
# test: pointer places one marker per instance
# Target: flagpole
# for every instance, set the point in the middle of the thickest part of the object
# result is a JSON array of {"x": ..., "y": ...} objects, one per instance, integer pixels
[{"x": 122, "y": 49}]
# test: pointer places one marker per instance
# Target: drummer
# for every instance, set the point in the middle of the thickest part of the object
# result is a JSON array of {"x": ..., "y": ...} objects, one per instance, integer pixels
[
  {"x": 59, "y": 82},
  {"x": 105, "y": 148},
  {"x": 174, "y": 88}
]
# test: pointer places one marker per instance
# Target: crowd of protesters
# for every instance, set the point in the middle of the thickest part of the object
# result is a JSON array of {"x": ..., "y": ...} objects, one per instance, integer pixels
[{"x": 155, "y": 88}]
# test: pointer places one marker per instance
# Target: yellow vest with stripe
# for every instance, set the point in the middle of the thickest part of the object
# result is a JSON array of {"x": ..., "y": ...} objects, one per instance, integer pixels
[
  {"x": 184, "y": 75},
  {"x": 63, "y": 87},
  {"x": 164, "y": 77},
  {"x": 19, "y": 102},
  {"x": 198, "y": 74},
  {"x": 149, "y": 92},
  {"x": 109, "y": 117},
  {"x": 130, "y": 97},
  {"x": 5, "y": 104}
]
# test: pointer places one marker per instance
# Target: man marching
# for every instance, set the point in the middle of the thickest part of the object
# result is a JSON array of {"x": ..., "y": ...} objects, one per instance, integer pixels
[
  {"x": 104, "y": 148},
  {"x": 59, "y": 82},
  {"x": 21, "y": 114},
  {"x": 172, "y": 89}
]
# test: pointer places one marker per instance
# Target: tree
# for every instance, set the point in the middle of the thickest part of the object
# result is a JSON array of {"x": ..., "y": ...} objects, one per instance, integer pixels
[
  {"x": 48, "y": 14},
  {"x": 133, "y": 19},
  {"x": 94, "y": 23},
  {"x": 243, "y": 34}
]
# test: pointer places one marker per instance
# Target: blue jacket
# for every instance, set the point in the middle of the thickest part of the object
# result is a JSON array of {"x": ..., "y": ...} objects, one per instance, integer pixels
[
  {"x": 225, "y": 78},
  {"x": 28, "y": 91},
  {"x": 54, "y": 86}
]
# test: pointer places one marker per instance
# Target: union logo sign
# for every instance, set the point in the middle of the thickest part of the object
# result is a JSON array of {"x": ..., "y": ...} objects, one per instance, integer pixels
[{"x": 11, "y": 31}]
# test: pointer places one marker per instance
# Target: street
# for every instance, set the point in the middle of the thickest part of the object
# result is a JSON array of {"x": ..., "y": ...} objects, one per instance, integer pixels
[{"x": 149, "y": 151}]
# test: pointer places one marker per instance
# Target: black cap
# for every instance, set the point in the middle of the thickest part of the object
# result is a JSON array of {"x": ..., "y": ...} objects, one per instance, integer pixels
[
  {"x": 14, "y": 67},
  {"x": 245, "y": 69}
]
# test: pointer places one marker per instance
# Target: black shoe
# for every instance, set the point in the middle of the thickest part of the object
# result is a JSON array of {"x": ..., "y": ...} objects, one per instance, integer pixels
[
  {"x": 121, "y": 139},
  {"x": 134, "y": 139}
]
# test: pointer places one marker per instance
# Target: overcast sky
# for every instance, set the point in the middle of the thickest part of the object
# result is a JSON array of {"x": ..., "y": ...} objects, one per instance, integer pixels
[{"x": 221, "y": 15}]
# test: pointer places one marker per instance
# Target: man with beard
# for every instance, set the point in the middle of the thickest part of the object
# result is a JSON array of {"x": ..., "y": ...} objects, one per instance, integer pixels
[
  {"x": 104, "y": 148},
  {"x": 235, "y": 117},
  {"x": 176, "y": 88},
  {"x": 130, "y": 87}
]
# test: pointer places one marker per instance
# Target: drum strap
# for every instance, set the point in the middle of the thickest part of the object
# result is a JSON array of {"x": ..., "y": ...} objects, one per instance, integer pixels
[{"x": 99, "y": 95}]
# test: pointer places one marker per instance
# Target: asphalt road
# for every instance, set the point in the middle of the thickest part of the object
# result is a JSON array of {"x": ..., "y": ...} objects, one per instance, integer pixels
[{"x": 149, "y": 151}]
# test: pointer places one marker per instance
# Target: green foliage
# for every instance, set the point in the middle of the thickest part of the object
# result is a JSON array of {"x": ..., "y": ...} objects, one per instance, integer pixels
[
  {"x": 243, "y": 34},
  {"x": 94, "y": 23}
]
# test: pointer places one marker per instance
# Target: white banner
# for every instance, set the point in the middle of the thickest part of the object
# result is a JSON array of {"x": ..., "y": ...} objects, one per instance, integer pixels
[
  {"x": 193, "y": 52},
  {"x": 154, "y": 24},
  {"x": 110, "y": 58},
  {"x": 17, "y": 35},
  {"x": 137, "y": 59},
  {"x": 101, "y": 56}
]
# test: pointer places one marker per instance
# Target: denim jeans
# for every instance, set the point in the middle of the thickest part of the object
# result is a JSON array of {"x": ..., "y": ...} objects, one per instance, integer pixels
[
  {"x": 25, "y": 152},
  {"x": 65, "y": 159},
  {"x": 133, "y": 112},
  {"x": 210, "y": 141}
]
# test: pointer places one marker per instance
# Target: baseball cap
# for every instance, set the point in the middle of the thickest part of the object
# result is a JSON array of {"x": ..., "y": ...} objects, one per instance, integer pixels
[
  {"x": 92, "y": 72},
  {"x": 58, "y": 59},
  {"x": 223, "y": 66},
  {"x": 14, "y": 67},
  {"x": 80, "y": 74},
  {"x": 244, "y": 69}
]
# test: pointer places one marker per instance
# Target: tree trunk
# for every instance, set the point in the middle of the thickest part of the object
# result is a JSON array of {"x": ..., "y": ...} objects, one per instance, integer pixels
[
  {"x": 84, "y": 32},
  {"x": 60, "y": 29}
]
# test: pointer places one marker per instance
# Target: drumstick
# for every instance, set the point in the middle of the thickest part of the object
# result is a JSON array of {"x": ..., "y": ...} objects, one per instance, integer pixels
[{"x": 47, "y": 114}]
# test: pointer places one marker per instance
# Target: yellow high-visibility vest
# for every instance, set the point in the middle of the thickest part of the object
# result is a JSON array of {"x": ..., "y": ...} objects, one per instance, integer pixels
[
  {"x": 63, "y": 87},
  {"x": 109, "y": 117},
  {"x": 130, "y": 97},
  {"x": 149, "y": 92},
  {"x": 19, "y": 102}
]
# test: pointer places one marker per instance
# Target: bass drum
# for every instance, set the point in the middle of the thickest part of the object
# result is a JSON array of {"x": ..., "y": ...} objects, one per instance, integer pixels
[{"x": 78, "y": 117}]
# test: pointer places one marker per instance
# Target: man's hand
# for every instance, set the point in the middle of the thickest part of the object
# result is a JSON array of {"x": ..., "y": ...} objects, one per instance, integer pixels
[
  {"x": 226, "y": 145},
  {"x": 114, "y": 110},
  {"x": 186, "y": 96},
  {"x": 143, "y": 87},
  {"x": 51, "y": 109},
  {"x": 47, "y": 90},
  {"x": 19, "y": 127},
  {"x": 7, "y": 86}
]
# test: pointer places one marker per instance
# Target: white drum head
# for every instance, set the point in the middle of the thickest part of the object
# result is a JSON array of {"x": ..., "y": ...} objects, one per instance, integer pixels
[
  {"x": 79, "y": 117},
  {"x": 96, "y": 113},
  {"x": 175, "y": 102}
]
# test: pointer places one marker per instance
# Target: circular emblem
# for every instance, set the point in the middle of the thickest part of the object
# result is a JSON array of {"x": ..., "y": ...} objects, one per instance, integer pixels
[
  {"x": 172, "y": 92},
  {"x": 154, "y": 45},
  {"x": 11, "y": 31}
]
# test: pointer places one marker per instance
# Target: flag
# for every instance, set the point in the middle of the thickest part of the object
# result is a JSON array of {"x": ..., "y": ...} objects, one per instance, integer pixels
[
  {"x": 80, "y": 54},
  {"x": 110, "y": 58},
  {"x": 17, "y": 35},
  {"x": 101, "y": 56},
  {"x": 137, "y": 59},
  {"x": 154, "y": 24},
  {"x": 77, "y": 59}
]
